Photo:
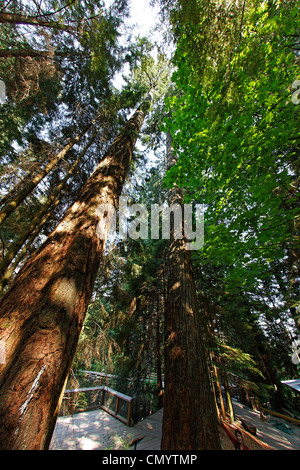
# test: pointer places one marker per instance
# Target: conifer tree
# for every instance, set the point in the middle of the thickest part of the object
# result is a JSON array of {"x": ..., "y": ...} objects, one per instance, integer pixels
[
  {"x": 189, "y": 421},
  {"x": 43, "y": 311}
]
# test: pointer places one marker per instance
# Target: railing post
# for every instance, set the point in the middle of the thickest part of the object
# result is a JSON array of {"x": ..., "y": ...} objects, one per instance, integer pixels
[
  {"x": 117, "y": 405},
  {"x": 129, "y": 412},
  {"x": 102, "y": 396}
]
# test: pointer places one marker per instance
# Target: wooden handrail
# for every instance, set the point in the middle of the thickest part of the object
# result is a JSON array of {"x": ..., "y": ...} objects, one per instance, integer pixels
[
  {"x": 82, "y": 390},
  {"x": 115, "y": 412},
  {"x": 279, "y": 415},
  {"x": 135, "y": 442}
]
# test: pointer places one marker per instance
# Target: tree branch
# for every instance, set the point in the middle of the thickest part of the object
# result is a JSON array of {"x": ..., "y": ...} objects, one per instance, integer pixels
[{"x": 17, "y": 18}]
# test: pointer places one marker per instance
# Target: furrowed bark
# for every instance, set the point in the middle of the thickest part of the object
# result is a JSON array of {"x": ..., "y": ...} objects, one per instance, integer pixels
[
  {"x": 42, "y": 313},
  {"x": 189, "y": 420}
]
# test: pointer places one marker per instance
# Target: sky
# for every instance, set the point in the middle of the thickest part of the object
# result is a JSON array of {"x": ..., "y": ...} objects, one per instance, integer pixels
[
  {"x": 143, "y": 15},
  {"x": 143, "y": 19}
]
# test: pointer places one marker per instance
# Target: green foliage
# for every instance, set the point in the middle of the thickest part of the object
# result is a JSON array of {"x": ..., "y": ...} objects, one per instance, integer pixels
[
  {"x": 234, "y": 128},
  {"x": 236, "y": 143}
]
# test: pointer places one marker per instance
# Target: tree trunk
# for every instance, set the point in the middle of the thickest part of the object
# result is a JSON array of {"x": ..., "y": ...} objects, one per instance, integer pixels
[
  {"x": 10, "y": 206},
  {"x": 222, "y": 406},
  {"x": 42, "y": 313},
  {"x": 17, "y": 18},
  {"x": 22, "y": 52},
  {"x": 270, "y": 371},
  {"x": 228, "y": 398},
  {"x": 158, "y": 354},
  {"x": 17, "y": 245},
  {"x": 189, "y": 421},
  {"x": 26, "y": 247},
  {"x": 32, "y": 169}
]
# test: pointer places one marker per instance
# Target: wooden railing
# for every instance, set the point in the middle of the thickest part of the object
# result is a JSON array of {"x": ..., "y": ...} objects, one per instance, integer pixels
[
  {"x": 104, "y": 375},
  {"x": 119, "y": 396},
  {"x": 279, "y": 415},
  {"x": 107, "y": 392}
]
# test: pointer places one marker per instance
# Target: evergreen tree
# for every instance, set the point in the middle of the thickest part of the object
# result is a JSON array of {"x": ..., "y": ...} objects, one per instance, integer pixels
[
  {"x": 41, "y": 333},
  {"x": 189, "y": 420}
]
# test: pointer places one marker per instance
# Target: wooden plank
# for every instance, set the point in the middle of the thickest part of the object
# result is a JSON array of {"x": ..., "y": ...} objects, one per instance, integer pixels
[
  {"x": 129, "y": 411},
  {"x": 117, "y": 405},
  {"x": 92, "y": 429}
]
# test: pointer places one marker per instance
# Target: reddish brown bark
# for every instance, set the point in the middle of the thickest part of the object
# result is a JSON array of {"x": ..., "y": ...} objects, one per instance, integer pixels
[
  {"x": 189, "y": 420},
  {"x": 41, "y": 315}
]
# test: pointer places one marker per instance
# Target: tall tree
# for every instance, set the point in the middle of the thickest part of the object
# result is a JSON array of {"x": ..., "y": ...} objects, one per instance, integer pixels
[
  {"x": 189, "y": 421},
  {"x": 17, "y": 18},
  {"x": 43, "y": 311},
  {"x": 234, "y": 127},
  {"x": 47, "y": 73}
]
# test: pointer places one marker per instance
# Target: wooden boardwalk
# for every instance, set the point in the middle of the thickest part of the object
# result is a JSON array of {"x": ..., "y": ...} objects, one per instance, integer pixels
[{"x": 97, "y": 430}]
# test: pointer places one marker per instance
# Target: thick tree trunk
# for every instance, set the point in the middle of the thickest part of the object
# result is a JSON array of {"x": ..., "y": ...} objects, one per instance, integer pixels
[
  {"x": 41, "y": 315},
  {"x": 189, "y": 421}
]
